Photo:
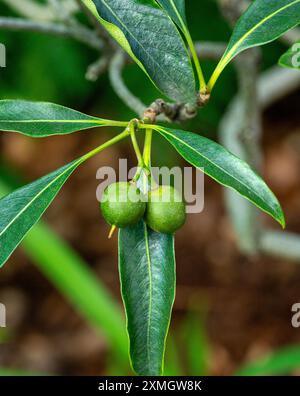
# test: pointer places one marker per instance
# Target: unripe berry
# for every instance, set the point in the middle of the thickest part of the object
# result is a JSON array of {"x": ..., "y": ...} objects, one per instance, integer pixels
[
  {"x": 122, "y": 204},
  {"x": 165, "y": 211}
]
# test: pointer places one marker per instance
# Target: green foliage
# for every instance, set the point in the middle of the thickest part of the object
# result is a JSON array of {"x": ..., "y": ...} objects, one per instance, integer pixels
[
  {"x": 291, "y": 58},
  {"x": 147, "y": 30},
  {"x": 18, "y": 373},
  {"x": 225, "y": 168},
  {"x": 176, "y": 10},
  {"x": 196, "y": 345},
  {"x": 58, "y": 73},
  {"x": 39, "y": 119},
  {"x": 282, "y": 361},
  {"x": 147, "y": 274},
  {"x": 263, "y": 22},
  {"x": 20, "y": 210},
  {"x": 173, "y": 366},
  {"x": 139, "y": 28},
  {"x": 187, "y": 351},
  {"x": 73, "y": 278}
]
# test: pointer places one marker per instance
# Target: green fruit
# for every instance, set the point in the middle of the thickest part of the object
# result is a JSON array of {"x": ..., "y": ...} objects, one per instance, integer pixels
[
  {"x": 165, "y": 211},
  {"x": 122, "y": 204}
]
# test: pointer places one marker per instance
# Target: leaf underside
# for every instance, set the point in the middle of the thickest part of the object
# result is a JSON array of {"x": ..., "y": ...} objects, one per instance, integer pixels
[
  {"x": 225, "y": 168},
  {"x": 146, "y": 32},
  {"x": 40, "y": 119},
  {"x": 20, "y": 210},
  {"x": 147, "y": 274}
]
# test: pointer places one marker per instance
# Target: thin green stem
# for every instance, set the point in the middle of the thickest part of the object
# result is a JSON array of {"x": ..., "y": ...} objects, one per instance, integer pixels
[
  {"x": 216, "y": 74},
  {"x": 107, "y": 144},
  {"x": 137, "y": 150},
  {"x": 147, "y": 147},
  {"x": 195, "y": 58},
  {"x": 142, "y": 125},
  {"x": 190, "y": 42},
  {"x": 110, "y": 123}
]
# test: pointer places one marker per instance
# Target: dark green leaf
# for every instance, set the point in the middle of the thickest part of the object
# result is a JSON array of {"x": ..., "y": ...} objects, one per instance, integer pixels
[
  {"x": 291, "y": 58},
  {"x": 40, "y": 119},
  {"x": 225, "y": 168},
  {"x": 20, "y": 210},
  {"x": 263, "y": 22},
  {"x": 147, "y": 273},
  {"x": 146, "y": 32},
  {"x": 176, "y": 10}
]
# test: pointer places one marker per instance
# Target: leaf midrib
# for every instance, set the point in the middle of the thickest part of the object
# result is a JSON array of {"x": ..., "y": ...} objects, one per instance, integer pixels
[
  {"x": 149, "y": 267},
  {"x": 54, "y": 121}
]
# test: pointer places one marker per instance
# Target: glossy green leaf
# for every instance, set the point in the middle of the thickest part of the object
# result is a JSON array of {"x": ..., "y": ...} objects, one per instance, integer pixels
[
  {"x": 20, "y": 210},
  {"x": 147, "y": 273},
  {"x": 69, "y": 273},
  {"x": 40, "y": 119},
  {"x": 176, "y": 10},
  {"x": 263, "y": 22},
  {"x": 225, "y": 168},
  {"x": 149, "y": 36},
  {"x": 291, "y": 58}
]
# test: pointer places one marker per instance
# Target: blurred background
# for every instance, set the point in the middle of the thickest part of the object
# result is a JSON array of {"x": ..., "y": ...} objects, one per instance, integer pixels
[{"x": 61, "y": 288}]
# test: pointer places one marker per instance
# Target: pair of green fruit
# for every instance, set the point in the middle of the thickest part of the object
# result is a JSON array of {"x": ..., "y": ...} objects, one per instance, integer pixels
[{"x": 123, "y": 205}]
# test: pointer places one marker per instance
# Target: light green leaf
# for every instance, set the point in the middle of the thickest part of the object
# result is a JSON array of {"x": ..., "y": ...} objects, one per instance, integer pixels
[
  {"x": 225, "y": 168},
  {"x": 280, "y": 362},
  {"x": 147, "y": 273},
  {"x": 176, "y": 10},
  {"x": 149, "y": 36},
  {"x": 40, "y": 119},
  {"x": 20, "y": 210},
  {"x": 291, "y": 58},
  {"x": 197, "y": 349},
  {"x": 263, "y": 22}
]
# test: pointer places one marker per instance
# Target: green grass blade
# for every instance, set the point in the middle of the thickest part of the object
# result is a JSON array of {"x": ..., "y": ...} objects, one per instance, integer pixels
[{"x": 282, "y": 361}]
